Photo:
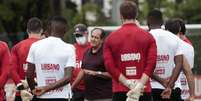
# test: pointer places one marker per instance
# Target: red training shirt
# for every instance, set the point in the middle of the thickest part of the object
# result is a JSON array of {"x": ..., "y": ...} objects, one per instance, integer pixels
[
  {"x": 19, "y": 54},
  {"x": 4, "y": 67},
  {"x": 80, "y": 50},
  {"x": 130, "y": 51}
]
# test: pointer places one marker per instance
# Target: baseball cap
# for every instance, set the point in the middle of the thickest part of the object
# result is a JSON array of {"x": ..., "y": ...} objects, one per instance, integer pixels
[{"x": 80, "y": 29}]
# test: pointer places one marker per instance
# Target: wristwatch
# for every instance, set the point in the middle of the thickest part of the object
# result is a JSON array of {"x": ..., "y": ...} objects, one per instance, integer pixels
[{"x": 99, "y": 72}]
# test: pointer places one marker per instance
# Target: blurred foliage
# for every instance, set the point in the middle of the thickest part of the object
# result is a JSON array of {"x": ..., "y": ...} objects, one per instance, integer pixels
[
  {"x": 76, "y": 17},
  {"x": 195, "y": 39},
  {"x": 189, "y": 10},
  {"x": 15, "y": 13}
]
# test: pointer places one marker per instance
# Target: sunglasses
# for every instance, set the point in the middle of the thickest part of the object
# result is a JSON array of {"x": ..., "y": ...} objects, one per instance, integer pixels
[{"x": 78, "y": 35}]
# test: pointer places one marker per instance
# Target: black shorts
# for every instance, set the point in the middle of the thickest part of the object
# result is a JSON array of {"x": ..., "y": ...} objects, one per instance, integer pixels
[
  {"x": 78, "y": 95},
  {"x": 18, "y": 98},
  {"x": 39, "y": 99},
  {"x": 121, "y": 96},
  {"x": 175, "y": 96}
]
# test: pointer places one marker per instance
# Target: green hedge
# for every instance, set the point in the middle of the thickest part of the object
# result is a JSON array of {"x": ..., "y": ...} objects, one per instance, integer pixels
[{"x": 196, "y": 41}]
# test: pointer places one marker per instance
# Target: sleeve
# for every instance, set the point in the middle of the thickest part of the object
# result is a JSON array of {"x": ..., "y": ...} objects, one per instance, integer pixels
[
  {"x": 192, "y": 58},
  {"x": 30, "y": 57},
  {"x": 72, "y": 58},
  {"x": 15, "y": 65},
  {"x": 109, "y": 61},
  {"x": 151, "y": 58},
  {"x": 180, "y": 47},
  {"x": 5, "y": 64}
]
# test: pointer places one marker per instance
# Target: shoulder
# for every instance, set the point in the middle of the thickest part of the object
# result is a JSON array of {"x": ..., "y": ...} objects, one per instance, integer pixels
[
  {"x": 187, "y": 46},
  {"x": 39, "y": 42},
  {"x": 69, "y": 46},
  {"x": 3, "y": 45},
  {"x": 19, "y": 44}
]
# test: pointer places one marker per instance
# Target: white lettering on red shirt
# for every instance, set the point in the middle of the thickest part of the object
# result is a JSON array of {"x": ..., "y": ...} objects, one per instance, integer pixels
[{"x": 130, "y": 57}]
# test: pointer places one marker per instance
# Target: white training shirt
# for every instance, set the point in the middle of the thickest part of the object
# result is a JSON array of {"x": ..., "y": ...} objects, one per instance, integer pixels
[
  {"x": 168, "y": 46},
  {"x": 189, "y": 55},
  {"x": 50, "y": 56}
]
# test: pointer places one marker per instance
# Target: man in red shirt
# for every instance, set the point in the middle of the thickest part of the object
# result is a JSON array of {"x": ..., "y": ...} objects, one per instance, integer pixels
[
  {"x": 81, "y": 46},
  {"x": 20, "y": 51},
  {"x": 130, "y": 57},
  {"x": 4, "y": 67}
]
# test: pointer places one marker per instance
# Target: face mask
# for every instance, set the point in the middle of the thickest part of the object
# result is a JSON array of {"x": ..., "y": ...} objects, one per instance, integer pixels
[{"x": 81, "y": 40}]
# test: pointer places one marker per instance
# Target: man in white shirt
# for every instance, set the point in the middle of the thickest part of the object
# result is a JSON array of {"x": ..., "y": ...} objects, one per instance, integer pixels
[
  {"x": 169, "y": 58},
  {"x": 53, "y": 61},
  {"x": 185, "y": 81}
]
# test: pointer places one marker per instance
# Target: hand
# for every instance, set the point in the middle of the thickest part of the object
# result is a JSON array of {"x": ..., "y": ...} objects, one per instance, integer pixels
[
  {"x": 130, "y": 99},
  {"x": 165, "y": 82},
  {"x": 25, "y": 95},
  {"x": 38, "y": 91},
  {"x": 90, "y": 72},
  {"x": 131, "y": 83},
  {"x": 135, "y": 93},
  {"x": 166, "y": 93},
  {"x": 191, "y": 98},
  {"x": 25, "y": 83},
  {"x": 22, "y": 85}
]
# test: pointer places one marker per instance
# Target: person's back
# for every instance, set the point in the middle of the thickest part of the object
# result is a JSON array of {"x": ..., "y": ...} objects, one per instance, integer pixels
[
  {"x": 20, "y": 52},
  {"x": 189, "y": 56},
  {"x": 131, "y": 49},
  {"x": 169, "y": 58},
  {"x": 167, "y": 48},
  {"x": 52, "y": 54},
  {"x": 130, "y": 55},
  {"x": 4, "y": 67},
  {"x": 53, "y": 60},
  {"x": 185, "y": 81}
]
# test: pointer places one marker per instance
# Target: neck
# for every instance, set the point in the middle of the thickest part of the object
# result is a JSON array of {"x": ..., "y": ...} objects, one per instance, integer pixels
[
  {"x": 154, "y": 26},
  {"x": 57, "y": 35},
  {"x": 95, "y": 49},
  {"x": 182, "y": 37},
  {"x": 34, "y": 35},
  {"x": 126, "y": 21}
]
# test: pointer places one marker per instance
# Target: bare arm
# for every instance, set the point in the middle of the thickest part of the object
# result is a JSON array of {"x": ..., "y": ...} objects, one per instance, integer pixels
[
  {"x": 175, "y": 73},
  {"x": 162, "y": 81},
  {"x": 189, "y": 76},
  {"x": 78, "y": 78},
  {"x": 105, "y": 75},
  {"x": 65, "y": 80},
  {"x": 30, "y": 75}
]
